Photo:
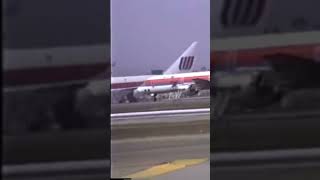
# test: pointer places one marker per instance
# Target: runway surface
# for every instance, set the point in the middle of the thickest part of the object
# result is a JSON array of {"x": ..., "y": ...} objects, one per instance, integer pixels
[
  {"x": 133, "y": 155},
  {"x": 284, "y": 172},
  {"x": 200, "y": 172},
  {"x": 160, "y": 123},
  {"x": 87, "y": 169},
  {"x": 166, "y": 116},
  {"x": 183, "y": 103},
  {"x": 142, "y": 142},
  {"x": 74, "y": 154},
  {"x": 291, "y": 164}
]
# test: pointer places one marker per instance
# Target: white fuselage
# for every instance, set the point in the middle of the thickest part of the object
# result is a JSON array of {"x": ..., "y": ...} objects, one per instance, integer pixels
[{"x": 171, "y": 82}]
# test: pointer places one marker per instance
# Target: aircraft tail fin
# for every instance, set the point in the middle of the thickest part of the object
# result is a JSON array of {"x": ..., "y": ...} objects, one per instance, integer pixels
[{"x": 185, "y": 62}]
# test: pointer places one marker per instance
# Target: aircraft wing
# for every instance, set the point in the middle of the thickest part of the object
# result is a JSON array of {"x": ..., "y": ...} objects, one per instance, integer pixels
[
  {"x": 295, "y": 72},
  {"x": 119, "y": 94},
  {"x": 202, "y": 84}
]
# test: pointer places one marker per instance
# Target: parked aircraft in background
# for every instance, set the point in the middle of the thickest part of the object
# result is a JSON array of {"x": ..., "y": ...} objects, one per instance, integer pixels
[{"x": 177, "y": 77}]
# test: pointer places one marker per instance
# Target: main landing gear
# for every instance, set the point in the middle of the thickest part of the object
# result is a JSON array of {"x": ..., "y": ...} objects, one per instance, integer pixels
[{"x": 154, "y": 97}]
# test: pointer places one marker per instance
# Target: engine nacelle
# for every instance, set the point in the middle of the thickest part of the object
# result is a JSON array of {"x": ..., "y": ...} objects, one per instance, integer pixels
[{"x": 143, "y": 90}]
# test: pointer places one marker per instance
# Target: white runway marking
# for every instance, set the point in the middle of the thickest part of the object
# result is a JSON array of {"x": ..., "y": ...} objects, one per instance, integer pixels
[{"x": 184, "y": 115}]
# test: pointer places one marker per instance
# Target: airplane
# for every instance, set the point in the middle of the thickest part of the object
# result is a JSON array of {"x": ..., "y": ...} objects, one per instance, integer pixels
[
  {"x": 52, "y": 56},
  {"x": 242, "y": 32},
  {"x": 256, "y": 47},
  {"x": 52, "y": 53},
  {"x": 186, "y": 82},
  {"x": 67, "y": 53},
  {"x": 230, "y": 58},
  {"x": 177, "y": 77}
]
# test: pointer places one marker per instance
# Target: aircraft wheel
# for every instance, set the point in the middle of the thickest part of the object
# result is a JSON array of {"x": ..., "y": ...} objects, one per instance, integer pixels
[{"x": 155, "y": 97}]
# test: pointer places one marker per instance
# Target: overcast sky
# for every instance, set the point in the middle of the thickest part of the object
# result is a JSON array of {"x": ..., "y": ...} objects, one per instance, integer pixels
[{"x": 152, "y": 34}]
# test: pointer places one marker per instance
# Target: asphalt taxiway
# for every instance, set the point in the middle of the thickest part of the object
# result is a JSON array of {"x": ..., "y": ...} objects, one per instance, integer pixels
[
  {"x": 199, "y": 171},
  {"x": 133, "y": 155},
  {"x": 163, "y": 144},
  {"x": 183, "y": 103},
  {"x": 293, "y": 164}
]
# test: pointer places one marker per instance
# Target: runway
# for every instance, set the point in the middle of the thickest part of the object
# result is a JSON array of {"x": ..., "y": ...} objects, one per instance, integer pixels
[
  {"x": 183, "y": 103},
  {"x": 168, "y": 116},
  {"x": 282, "y": 164},
  {"x": 133, "y": 155},
  {"x": 77, "y": 154},
  {"x": 199, "y": 171},
  {"x": 87, "y": 169},
  {"x": 143, "y": 142}
]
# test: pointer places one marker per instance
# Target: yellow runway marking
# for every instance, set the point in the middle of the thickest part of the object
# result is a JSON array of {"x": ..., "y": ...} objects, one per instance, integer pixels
[{"x": 166, "y": 168}]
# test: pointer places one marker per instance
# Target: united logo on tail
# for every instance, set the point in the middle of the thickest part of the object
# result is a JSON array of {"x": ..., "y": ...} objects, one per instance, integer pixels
[{"x": 186, "y": 62}]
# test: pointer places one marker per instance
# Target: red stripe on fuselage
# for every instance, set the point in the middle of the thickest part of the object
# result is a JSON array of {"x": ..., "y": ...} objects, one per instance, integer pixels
[
  {"x": 126, "y": 85},
  {"x": 47, "y": 75},
  {"x": 168, "y": 81},
  {"x": 255, "y": 56}
]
